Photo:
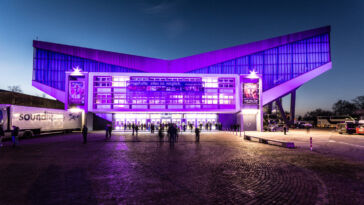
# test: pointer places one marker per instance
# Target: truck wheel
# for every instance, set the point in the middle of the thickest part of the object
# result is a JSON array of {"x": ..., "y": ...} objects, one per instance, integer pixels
[{"x": 27, "y": 134}]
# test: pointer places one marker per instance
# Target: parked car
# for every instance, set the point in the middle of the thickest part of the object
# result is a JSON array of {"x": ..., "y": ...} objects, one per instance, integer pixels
[
  {"x": 275, "y": 127},
  {"x": 303, "y": 124},
  {"x": 346, "y": 128},
  {"x": 360, "y": 127}
]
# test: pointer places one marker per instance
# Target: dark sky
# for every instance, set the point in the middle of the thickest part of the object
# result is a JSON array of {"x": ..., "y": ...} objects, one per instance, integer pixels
[{"x": 174, "y": 29}]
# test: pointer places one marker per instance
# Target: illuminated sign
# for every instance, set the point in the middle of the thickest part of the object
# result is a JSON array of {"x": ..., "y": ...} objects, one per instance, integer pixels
[
  {"x": 253, "y": 74},
  {"x": 76, "y": 71},
  {"x": 251, "y": 93},
  {"x": 76, "y": 93}
]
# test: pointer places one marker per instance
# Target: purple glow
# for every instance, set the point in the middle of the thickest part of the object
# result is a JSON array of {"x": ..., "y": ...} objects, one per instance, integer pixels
[
  {"x": 285, "y": 88},
  {"x": 182, "y": 65}
]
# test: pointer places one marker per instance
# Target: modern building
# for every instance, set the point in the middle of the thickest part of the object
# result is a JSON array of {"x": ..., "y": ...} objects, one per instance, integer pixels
[{"x": 229, "y": 85}]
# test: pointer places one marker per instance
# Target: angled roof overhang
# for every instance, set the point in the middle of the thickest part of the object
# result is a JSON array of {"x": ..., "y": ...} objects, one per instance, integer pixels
[
  {"x": 180, "y": 65},
  {"x": 288, "y": 86}
]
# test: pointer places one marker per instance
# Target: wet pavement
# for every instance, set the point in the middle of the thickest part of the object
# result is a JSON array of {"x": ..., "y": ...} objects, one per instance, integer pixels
[{"x": 221, "y": 169}]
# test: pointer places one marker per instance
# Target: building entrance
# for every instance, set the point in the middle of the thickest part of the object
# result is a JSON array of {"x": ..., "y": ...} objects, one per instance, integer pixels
[{"x": 204, "y": 121}]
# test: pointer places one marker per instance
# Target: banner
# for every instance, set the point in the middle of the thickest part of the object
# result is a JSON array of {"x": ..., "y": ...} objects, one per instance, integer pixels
[
  {"x": 76, "y": 93},
  {"x": 251, "y": 93}
]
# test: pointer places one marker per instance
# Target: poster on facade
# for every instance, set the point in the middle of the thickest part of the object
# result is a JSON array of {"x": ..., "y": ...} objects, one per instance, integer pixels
[
  {"x": 76, "y": 93},
  {"x": 250, "y": 93}
]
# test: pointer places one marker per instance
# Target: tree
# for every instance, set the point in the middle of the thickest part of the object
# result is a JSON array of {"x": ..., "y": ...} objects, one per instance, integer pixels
[
  {"x": 359, "y": 102},
  {"x": 15, "y": 88},
  {"x": 344, "y": 107},
  {"x": 312, "y": 115}
]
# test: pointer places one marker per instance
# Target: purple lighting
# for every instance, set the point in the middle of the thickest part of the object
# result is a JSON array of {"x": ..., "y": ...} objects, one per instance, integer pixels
[{"x": 138, "y": 89}]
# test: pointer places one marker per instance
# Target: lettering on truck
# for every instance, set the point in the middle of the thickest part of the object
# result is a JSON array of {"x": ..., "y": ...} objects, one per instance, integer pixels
[
  {"x": 46, "y": 116},
  {"x": 42, "y": 116}
]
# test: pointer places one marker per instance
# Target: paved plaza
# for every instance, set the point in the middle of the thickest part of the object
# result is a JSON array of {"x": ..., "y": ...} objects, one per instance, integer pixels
[{"x": 221, "y": 169}]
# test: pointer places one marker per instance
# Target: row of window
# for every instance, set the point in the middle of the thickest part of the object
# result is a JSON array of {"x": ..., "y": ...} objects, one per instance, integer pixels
[{"x": 284, "y": 62}]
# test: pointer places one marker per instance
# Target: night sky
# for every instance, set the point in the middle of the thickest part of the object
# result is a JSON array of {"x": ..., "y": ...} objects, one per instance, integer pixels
[{"x": 174, "y": 29}]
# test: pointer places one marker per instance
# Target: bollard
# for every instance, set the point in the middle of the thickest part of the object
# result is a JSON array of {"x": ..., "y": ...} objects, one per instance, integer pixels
[{"x": 311, "y": 143}]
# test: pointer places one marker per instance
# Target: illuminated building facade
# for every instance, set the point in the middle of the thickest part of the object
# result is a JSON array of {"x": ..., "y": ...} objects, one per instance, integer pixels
[{"x": 227, "y": 86}]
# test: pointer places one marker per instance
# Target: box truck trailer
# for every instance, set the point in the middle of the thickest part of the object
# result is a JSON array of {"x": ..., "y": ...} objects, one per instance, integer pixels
[{"x": 34, "y": 120}]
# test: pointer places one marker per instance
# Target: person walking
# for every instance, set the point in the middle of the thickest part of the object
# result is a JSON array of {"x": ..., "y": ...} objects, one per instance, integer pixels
[
  {"x": 84, "y": 134},
  {"x": 197, "y": 132},
  {"x": 14, "y": 135},
  {"x": 2, "y": 135},
  {"x": 109, "y": 131}
]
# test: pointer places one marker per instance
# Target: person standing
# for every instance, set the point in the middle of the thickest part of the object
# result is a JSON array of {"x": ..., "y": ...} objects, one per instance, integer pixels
[
  {"x": 133, "y": 127},
  {"x": 152, "y": 128},
  {"x": 109, "y": 130},
  {"x": 285, "y": 129},
  {"x": 160, "y": 134},
  {"x": 308, "y": 129},
  {"x": 84, "y": 134},
  {"x": 175, "y": 132},
  {"x": 2, "y": 134},
  {"x": 14, "y": 135},
  {"x": 197, "y": 132},
  {"x": 136, "y": 130}
]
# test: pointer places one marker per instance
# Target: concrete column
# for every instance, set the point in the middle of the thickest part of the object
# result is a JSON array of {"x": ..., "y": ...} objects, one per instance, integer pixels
[
  {"x": 281, "y": 110},
  {"x": 240, "y": 120},
  {"x": 293, "y": 107},
  {"x": 89, "y": 121}
]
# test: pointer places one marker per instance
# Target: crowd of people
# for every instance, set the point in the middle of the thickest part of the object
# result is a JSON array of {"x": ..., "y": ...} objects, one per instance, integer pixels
[
  {"x": 183, "y": 126},
  {"x": 172, "y": 132}
]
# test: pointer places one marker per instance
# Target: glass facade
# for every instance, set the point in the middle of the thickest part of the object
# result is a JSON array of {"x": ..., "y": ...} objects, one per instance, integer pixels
[
  {"x": 164, "y": 93},
  {"x": 50, "y": 68},
  {"x": 280, "y": 64},
  {"x": 276, "y": 65}
]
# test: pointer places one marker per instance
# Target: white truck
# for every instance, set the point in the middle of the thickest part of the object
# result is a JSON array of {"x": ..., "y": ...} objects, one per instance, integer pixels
[{"x": 34, "y": 120}]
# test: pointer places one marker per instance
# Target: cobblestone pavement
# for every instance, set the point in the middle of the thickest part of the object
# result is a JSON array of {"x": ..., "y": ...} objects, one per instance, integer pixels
[{"x": 221, "y": 169}]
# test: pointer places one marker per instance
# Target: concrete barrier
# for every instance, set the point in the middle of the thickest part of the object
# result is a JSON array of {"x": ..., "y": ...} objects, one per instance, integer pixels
[{"x": 289, "y": 145}]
